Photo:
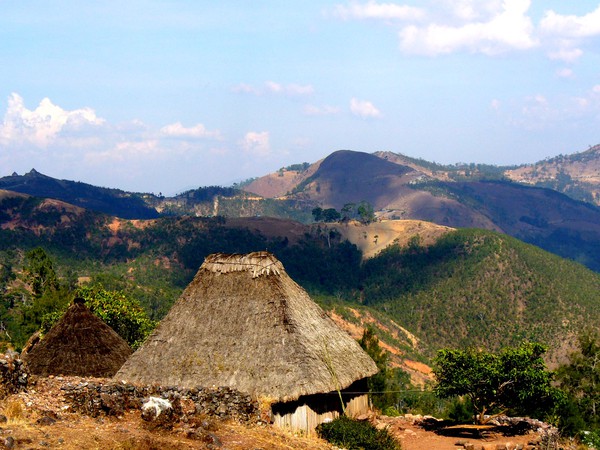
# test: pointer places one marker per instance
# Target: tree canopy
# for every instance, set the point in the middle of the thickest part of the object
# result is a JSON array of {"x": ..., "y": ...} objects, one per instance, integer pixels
[{"x": 514, "y": 379}]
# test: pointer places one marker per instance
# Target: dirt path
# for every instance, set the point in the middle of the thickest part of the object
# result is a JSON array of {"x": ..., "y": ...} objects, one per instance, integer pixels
[{"x": 415, "y": 437}]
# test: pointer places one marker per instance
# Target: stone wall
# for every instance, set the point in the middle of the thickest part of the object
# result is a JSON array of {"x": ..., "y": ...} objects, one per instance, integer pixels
[
  {"x": 14, "y": 375},
  {"x": 95, "y": 399}
]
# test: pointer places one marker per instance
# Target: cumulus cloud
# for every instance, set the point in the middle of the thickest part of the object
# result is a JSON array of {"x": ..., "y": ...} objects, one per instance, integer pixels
[
  {"x": 509, "y": 29},
  {"x": 364, "y": 109},
  {"x": 571, "y": 25},
  {"x": 489, "y": 27},
  {"x": 64, "y": 141},
  {"x": 256, "y": 143},
  {"x": 43, "y": 125},
  {"x": 375, "y": 10},
  {"x": 198, "y": 131},
  {"x": 274, "y": 88},
  {"x": 568, "y": 32}
]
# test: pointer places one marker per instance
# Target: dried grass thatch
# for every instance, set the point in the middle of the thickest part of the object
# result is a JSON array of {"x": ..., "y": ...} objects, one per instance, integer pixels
[
  {"x": 244, "y": 323},
  {"x": 79, "y": 344}
]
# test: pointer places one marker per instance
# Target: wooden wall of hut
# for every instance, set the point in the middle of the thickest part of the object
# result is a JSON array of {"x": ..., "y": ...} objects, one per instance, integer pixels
[{"x": 309, "y": 411}]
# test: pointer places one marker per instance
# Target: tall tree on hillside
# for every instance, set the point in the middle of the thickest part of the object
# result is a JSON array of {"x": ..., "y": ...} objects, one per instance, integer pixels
[
  {"x": 39, "y": 271},
  {"x": 365, "y": 212},
  {"x": 580, "y": 377}
]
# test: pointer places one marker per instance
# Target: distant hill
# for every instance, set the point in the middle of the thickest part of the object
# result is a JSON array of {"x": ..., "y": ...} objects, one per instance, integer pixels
[
  {"x": 110, "y": 201},
  {"x": 576, "y": 175},
  {"x": 395, "y": 186},
  {"x": 204, "y": 201},
  {"x": 398, "y": 188}
]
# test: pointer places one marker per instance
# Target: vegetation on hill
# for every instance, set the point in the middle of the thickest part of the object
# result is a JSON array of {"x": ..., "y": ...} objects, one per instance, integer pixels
[
  {"x": 479, "y": 288},
  {"x": 472, "y": 287}
]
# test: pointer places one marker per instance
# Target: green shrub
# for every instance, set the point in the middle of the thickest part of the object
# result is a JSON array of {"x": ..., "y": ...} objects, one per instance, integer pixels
[
  {"x": 591, "y": 439},
  {"x": 460, "y": 410},
  {"x": 391, "y": 411},
  {"x": 356, "y": 435}
]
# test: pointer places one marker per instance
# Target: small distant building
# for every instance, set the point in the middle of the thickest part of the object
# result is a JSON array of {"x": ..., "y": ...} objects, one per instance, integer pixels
[
  {"x": 79, "y": 344},
  {"x": 244, "y": 323}
]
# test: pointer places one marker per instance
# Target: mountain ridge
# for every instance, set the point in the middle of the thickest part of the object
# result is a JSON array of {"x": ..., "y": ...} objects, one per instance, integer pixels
[{"x": 395, "y": 186}]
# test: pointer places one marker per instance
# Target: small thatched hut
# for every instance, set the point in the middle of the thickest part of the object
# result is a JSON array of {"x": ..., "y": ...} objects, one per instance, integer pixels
[
  {"x": 244, "y": 323},
  {"x": 78, "y": 344}
]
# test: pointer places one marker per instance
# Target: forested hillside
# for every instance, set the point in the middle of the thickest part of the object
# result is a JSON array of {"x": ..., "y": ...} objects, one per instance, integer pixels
[{"x": 471, "y": 287}]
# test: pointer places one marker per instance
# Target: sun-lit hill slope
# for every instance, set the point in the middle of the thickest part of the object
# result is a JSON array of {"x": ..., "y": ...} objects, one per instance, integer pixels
[
  {"x": 577, "y": 175},
  {"x": 374, "y": 237},
  {"x": 282, "y": 182}
]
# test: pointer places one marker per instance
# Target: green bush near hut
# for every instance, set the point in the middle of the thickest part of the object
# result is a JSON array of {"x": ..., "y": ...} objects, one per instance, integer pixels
[{"x": 355, "y": 434}]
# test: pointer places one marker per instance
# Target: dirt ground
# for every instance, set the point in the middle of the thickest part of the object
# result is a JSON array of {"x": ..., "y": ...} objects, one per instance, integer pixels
[
  {"x": 415, "y": 437},
  {"x": 41, "y": 419}
]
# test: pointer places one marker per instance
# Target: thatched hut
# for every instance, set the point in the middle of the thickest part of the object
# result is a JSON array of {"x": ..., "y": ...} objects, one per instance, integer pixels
[
  {"x": 80, "y": 344},
  {"x": 244, "y": 323}
]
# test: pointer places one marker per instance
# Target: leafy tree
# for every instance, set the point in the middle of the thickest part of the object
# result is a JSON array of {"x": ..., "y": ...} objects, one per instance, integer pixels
[
  {"x": 377, "y": 383},
  {"x": 317, "y": 213},
  {"x": 348, "y": 211},
  {"x": 39, "y": 271},
  {"x": 514, "y": 379},
  {"x": 580, "y": 378},
  {"x": 385, "y": 385},
  {"x": 365, "y": 212},
  {"x": 331, "y": 215},
  {"x": 121, "y": 313}
]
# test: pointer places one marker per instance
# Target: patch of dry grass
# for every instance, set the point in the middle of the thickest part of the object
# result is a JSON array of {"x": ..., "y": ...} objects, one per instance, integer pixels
[{"x": 14, "y": 410}]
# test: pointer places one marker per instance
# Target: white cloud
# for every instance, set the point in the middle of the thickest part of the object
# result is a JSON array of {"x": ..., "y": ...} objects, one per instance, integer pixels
[
  {"x": 364, "y": 109},
  {"x": 44, "y": 125},
  {"x": 375, "y": 10},
  {"x": 198, "y": 131},
  {"x": 471, "y": 10},
  {"x": 325, "y": 110},
  {"x": 508, "y": 29},
  {"x": 274, "y": 88},
  {"x": 64, "y": 143},
  {"x": 244, "y": 88},
  {"x": 565, "y": 72},
  {"x": 566, "y": 33},
  {"x": 256, "y": 143},
  {"x": 571, "y": 25},
  {"x": 565, "y": 52}
]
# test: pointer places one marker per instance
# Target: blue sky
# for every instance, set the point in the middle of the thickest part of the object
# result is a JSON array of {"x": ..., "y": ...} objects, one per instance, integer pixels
[{"x": 162, "y": 96}]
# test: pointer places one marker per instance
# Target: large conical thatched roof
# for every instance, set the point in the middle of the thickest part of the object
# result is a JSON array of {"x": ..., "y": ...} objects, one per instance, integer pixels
[
  {"x": 79, "y": 344},
  {"x": 244, "y": 323}
]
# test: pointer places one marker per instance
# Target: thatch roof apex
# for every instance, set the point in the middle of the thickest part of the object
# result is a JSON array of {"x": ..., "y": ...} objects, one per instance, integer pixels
[{"x": 257, "y": 263}]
